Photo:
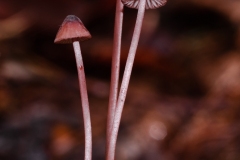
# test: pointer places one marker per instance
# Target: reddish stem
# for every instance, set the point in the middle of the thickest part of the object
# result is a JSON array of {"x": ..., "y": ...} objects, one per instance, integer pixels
[
  {"x": 115, "y": 70},
  {"x": 85, "y": 103},
  {"x": 125, "y": 81}
]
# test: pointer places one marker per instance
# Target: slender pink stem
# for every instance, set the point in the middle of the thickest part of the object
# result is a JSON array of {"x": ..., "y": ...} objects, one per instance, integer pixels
[
  {"x": 115, "y": 69},
  {"x": 126, "y": 78},
  {"x": 85, "y": 104}
]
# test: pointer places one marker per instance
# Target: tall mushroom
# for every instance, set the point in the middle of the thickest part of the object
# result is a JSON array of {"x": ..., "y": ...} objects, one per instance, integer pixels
[
  {"x": 72, "y": 30},
  {"x": 141, "y": 5}
]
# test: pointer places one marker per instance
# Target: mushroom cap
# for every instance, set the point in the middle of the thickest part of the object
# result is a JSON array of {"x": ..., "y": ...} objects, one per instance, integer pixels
[
  {"x": 72, "y": 29},
  {"x": 150, "y": 4}
]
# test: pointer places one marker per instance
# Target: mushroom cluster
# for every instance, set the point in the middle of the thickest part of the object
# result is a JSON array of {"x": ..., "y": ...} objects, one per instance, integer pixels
[{"x": 72, "y": 31}]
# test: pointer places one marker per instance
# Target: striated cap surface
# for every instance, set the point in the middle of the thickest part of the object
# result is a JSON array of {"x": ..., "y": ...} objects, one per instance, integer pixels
[
  {"x": 72, "y": 29},
  {"x": 150, "y": 4}
]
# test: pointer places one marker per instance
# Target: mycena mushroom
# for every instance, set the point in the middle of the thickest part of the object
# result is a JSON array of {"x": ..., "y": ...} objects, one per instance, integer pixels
[
  {"x": 72, "y": 30},
  {"x": 141, "y": 5}
]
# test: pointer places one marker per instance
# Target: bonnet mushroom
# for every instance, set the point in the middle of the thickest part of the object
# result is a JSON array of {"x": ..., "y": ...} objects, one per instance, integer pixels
[
  {"x": 72, "y": 30},
  {"x": 141, "y": 5}
]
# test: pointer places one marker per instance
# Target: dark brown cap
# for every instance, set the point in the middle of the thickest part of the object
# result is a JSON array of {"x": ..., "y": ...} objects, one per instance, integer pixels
[
  {"x": 72, "y": 29},
  {"x": 150, "y": 4}
]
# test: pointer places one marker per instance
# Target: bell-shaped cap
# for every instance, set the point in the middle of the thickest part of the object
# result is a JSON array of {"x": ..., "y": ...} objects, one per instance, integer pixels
[
  {"x": 150, "y": 4},
  {"x": 72, "y": 29}
]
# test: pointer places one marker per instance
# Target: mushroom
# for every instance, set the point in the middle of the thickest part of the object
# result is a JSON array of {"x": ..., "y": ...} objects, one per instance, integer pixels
[
  {"x": 72, "y": 30},
  {"x": 141, "y": 5}
]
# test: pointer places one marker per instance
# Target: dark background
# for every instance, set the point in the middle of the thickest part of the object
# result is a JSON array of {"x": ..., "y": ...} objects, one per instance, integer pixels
[{"x": 183, "y": 101}]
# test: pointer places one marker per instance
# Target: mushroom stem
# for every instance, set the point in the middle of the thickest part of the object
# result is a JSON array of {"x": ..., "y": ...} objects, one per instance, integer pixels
[
  {"x": 115, "y": 68},
  {"x": 125, "y": 81},
  {"x": 85, "y": 103}
]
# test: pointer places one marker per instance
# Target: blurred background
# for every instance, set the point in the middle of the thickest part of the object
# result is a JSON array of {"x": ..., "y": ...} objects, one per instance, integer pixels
[{"x": 183, "y": 101}]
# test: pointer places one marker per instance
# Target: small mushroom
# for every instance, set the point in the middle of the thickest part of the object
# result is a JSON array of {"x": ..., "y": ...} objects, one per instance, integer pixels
[
  {"x": 72, "y": 30},
  {"x": 141, "y": 5}
]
